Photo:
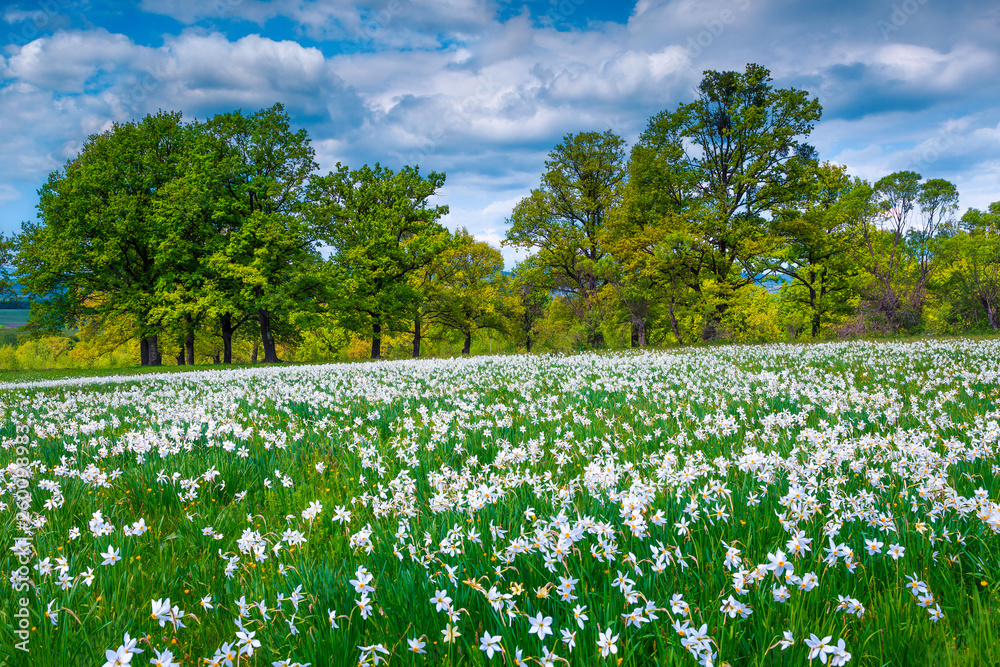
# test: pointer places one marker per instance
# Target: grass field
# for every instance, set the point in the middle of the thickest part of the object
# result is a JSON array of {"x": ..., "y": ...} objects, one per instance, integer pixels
[
  {"x": 109, "y": 374},
  {"x": 771, "y": 505},
  {"x": 13, "y": 317}
]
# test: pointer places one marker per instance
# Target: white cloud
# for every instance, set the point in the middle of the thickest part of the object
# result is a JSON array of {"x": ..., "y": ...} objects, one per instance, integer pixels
[
  {"x": 60, "y": 89},
  {"x": 448, "y": 85},
  {"x": 978, "y": 188},
  {"x": 385, "y": 23},
  {"x": 206, "y": 71},
  {"x": 68, "y": 61},
  {"x": 933, "y": 69},
  {"x": 8, "y": 193},
  {"x": 14, "y": 15}
]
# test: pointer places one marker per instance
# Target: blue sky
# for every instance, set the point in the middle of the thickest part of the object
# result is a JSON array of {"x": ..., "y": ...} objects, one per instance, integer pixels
[{"x": 483, "y": 89}]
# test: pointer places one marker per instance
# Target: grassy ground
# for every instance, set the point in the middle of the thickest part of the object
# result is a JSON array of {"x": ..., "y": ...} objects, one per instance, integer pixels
[
  {"x": 68, "y": 373},
  {"x": 65, "y": 373},
  {"x": 12, "y": 317},
  {"x": 655, "y": 494}
]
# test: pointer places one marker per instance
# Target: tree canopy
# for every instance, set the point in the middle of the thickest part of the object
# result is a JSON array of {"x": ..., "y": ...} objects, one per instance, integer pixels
[
  {"x": 382, "y": 228},
  {"x": 212, "y": 238}
]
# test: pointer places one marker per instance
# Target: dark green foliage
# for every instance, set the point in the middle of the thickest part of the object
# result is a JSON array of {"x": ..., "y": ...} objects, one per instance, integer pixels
[
  {"x": 382, "y": 228},
  {"x": 720, "y": 224}
]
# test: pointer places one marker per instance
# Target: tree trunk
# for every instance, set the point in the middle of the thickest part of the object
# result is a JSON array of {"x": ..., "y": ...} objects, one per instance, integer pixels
[
  {"x": 267, "y": 337},
  {"x": 226, "y": 324},
  {"x": 713, "y": 323},
  {"x": 711, "y": 329},
  {"x": 991, "y": 315},
  {"x": 189, "y": 339},
  {"x": 467, "y": 348},
  {"x": 154, "y": 352},
  {"x": 638, "y": 333},
  {"x": 815, "y": 324},
  {"x": 143, "y": 351},
  {"x": 595, "y": 340},
  {"x": 416, "y": 336},
  {"x": 527, "y": 341},
  {"x": 674, "y": 324},
  {"x": 376, "y": 341},
  {"x": 180, "y": 351},
  {"x": 256, "y": 348}
]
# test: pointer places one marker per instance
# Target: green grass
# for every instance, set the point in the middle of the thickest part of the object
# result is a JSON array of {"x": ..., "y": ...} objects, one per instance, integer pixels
[
  {"x": 12, "y": 317},
  {"x": 854, "y": 430},
  {"x": 41, "y": 375}
]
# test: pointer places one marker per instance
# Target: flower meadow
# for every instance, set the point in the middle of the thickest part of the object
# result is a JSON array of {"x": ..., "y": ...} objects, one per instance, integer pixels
[{"x": 830, "y": 504}]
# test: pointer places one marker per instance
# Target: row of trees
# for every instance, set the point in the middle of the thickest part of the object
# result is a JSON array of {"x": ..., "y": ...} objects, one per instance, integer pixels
[
  {"x": 721, "y": 222},
  {"x": 161, "y": 228},
  {"x": 721, "y": 199}
]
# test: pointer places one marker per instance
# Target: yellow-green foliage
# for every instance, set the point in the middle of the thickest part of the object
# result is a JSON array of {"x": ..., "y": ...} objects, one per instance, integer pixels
[
  {"x": 63, "y": 352},
  {"x": 753, "y": 316},
  {"x": 556, "y": 329}
]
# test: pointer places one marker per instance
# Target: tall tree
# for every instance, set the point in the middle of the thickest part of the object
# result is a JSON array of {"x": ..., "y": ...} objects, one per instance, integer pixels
[
  {"x": 182, "y": 210},
  {"x": 432, "y": 281},
  {"x": 729, "y": 159},
  {"x": 476, "y": 295},
  {"x": 970, "y": 285},
  {"x": 819, "y": 233},
  {"x": 93, "y": 252},
  {"x": 263, "y": 261},
  {"x": 898, "y": 242},
  {"x": 532, "y": 288},
  {"x": 382, "y": 228},
  {"x": 658, "y": 251},
  {"x": 563, "y": 219},
  {"x": 633, "y": 290},
  {"x": 938, "y": 201}
]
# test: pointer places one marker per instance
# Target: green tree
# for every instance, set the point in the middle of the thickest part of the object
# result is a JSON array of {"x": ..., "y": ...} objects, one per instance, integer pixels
[
  {"x": 476, "y": 294},
  {"x": 657, "y": 258},
  {"x": 562, "y": 220},
  {"x": 727, "y": 160},
  {"x": 183, "y": 212},
  {"x": 633, "y": 290},
  {"x": 898, "y": 241},
  {"x": 433, "y": 282},
  {"x": 658, "y": 253},
  {"x": 429, "y": 281},
  {"x": 531, "y": 287},
  {"x": 970, "y": 286},
  {"x": 94, "y": 251},
  {"x": 261, "y": 256},
  {"x": 818, "y": 234},
  {"x": 382, "y": 228}
]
